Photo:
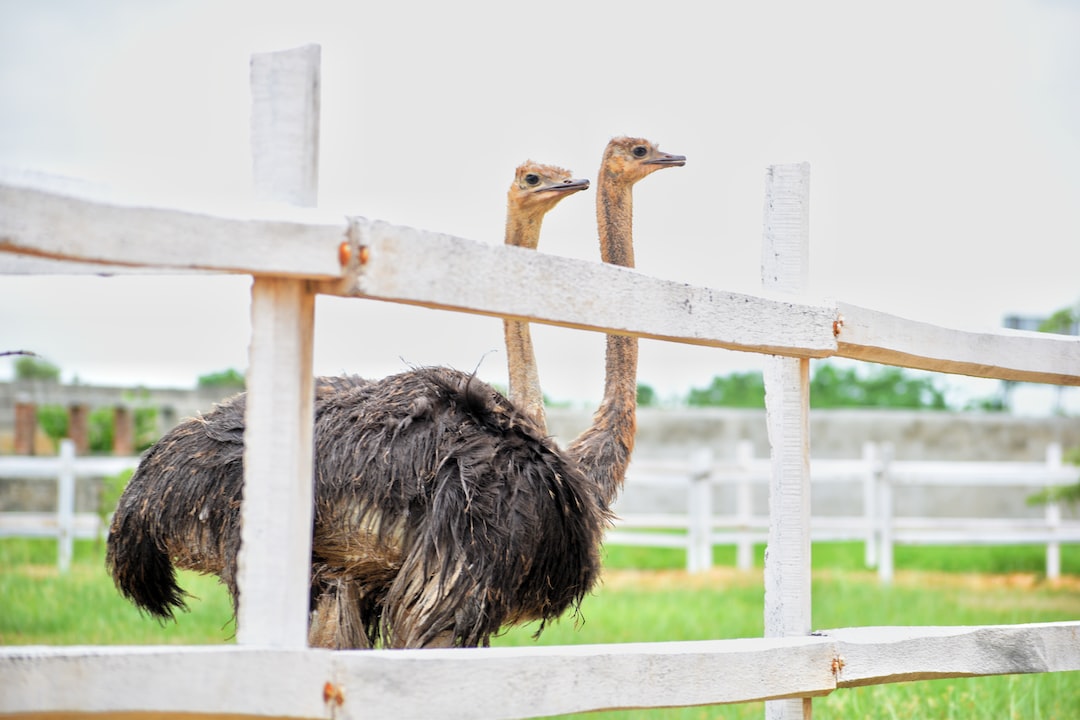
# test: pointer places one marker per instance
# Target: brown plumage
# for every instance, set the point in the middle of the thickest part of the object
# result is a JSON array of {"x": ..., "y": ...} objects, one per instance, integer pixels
[{"x": 442, "y": 512}]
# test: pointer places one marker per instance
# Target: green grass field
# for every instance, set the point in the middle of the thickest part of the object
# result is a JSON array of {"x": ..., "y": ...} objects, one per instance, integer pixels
[{"x": 645, "y": 597}]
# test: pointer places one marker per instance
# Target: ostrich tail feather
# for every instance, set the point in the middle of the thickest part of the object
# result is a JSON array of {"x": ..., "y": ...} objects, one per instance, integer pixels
[{"x": 142, "y": 571}]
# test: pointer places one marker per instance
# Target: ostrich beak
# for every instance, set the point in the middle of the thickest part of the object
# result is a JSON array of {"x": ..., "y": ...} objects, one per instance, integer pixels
[
  {"x": 667, "y": 160},
  {"x": 568, "y": 186}
]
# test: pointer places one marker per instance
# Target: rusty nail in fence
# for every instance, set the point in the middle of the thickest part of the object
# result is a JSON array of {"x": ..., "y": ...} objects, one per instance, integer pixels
[
  {"x": 345, "y": 253},
  {"x": 331, "y": 693}
]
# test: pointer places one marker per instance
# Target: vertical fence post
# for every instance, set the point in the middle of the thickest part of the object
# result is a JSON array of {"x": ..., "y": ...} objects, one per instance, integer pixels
[
  {"x": 123, "y": 430},
  {"x": 1053, "y": 516},
  {"x": 79, "y": 426},
  {"x": 787, "y": 403},
  {"x": 25, "y": 426},
  {"x": 885, "y": 515},
  {"x": 65, "y": 505},
  {"x": 274, "y": 564},
  {"x": 744, "y": 506},
  {"x": 699, "y": 550},
  {"x": 870, "y": 480}
]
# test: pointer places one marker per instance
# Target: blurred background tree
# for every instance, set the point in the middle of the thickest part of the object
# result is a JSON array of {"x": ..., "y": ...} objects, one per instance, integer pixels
[
  {"x": 738, "y": 390},
  {"x": 881, "y": 386},
  {"x": 646, "y": 395},
  {"x": 34, "y": 368},
  {"x": 230, "y": 378}
]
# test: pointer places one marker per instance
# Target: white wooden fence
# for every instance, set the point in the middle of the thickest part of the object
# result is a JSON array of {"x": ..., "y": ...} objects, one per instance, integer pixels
[
  {"x": 271, "y": 672},
  {"x": 872, "y": 477},
  {"x": 65, "y": 524}
]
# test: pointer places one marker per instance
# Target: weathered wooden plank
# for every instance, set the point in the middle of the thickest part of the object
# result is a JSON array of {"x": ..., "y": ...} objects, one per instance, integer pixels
[
  {"x": 876, "y": 655},
  {"x": 285, "y": 100},
  {"x": 784, "y": 269},
  {"x": 865, "y": 334},
  {"x": 787, "y": 556},
  {"x": 148, "y": 681},
  {"x": 486, "y": 682},
  {"x": 48, "y": 224},
  {"x": 502, "y": 682},
  {"x": 424, "y": 268},
  {"x": 274, "y": 563}
]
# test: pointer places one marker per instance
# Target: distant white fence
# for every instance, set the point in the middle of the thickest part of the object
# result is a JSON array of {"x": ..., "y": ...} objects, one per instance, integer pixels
[
  {"x": 879, "y": 527},
  {"x": 65, "y": 524}
]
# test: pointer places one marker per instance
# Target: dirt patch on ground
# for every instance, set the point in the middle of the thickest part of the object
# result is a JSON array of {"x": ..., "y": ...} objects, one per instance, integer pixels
[
  {"x": 720, "y": 577},
  {"x": 976, "y": 581},
  {"x": 79, "y": 571},
  {"x": 37, "y": 572}
]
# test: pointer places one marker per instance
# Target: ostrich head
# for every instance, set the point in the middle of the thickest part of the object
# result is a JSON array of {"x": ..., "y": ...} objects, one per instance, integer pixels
[
  {"x": 629, "y": 159},
  {"x": 536, "y": 189}
]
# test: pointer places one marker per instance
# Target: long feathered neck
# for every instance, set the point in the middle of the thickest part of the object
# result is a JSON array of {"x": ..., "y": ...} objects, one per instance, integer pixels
[
  {"x": 523, "y": 230},
  {"x": 614, "y": 218},
  {"x": 603, "y": 451}
]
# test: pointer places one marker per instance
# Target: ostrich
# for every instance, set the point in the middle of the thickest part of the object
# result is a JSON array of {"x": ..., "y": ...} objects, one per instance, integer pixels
[
  {"x": 603, "y": 450},
  {"x": 442, "y": 512},
  {"x": 536, "y": 190}
]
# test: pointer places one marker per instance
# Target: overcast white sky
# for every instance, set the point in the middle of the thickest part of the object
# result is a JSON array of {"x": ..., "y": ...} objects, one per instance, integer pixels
[{"x": 944, "y": 141}]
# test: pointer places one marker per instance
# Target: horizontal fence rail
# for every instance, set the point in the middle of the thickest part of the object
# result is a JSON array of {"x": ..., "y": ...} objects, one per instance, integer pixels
[
  {"x": 432, "y": 269},
  {"x": 38, "y": 222},
  {"x": 46, "y": 467},
  {"x": 503, "y": 682}
]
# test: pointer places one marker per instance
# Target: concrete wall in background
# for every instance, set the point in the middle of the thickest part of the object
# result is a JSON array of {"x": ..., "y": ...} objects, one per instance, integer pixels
[{"x": 841, "y": 433}]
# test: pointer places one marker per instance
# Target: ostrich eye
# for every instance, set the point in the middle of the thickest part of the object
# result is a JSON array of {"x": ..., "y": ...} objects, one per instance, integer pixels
[
  {"x": 640, "y": 151},
  {"x": 532, "y": 179}
]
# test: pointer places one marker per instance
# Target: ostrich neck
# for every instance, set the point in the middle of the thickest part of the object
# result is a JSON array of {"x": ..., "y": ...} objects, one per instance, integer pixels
[
  {"x": 524, "y": 378},
  {"x": 603, "y": 451},
  {"x": 525, "y": 392},
  {"x": 614, "y": 216},
  {"x": 523, "y": 230},
  {"x": 615, "y": 213}
]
